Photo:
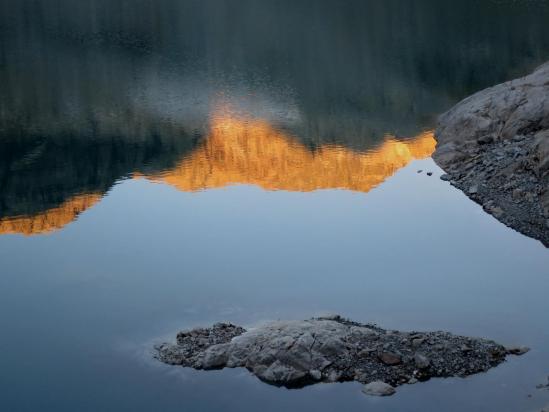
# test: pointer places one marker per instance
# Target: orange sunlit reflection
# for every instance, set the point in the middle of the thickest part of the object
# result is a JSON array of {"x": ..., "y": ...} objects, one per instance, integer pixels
[
  {"x": 240, "y": 150},
  {"x": 249, "y": 151},
  {"x": 50, "y": 220}
]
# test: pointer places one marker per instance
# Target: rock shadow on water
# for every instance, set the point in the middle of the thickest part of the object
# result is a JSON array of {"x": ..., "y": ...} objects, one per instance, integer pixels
[{"x": 294, "y": 354}]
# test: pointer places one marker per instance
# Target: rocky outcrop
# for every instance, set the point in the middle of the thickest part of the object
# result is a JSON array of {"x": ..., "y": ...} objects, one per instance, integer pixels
[
  {"x": 494, "y": 146},
  {"x": 330, "y": 349}
]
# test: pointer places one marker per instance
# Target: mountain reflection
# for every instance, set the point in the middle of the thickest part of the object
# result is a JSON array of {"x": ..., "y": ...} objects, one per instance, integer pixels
[
  {"x": 50, "y": 220},
  {"x": 96, "y": 91},
  {"x": 251, "y": 151}
]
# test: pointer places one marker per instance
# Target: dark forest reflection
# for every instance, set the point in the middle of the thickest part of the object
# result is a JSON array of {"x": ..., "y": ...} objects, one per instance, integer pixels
[{"x": 97, "y": 90}]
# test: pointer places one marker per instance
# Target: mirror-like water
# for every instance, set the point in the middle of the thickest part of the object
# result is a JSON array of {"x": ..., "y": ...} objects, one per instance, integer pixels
[{"x": 175, "y": 163}]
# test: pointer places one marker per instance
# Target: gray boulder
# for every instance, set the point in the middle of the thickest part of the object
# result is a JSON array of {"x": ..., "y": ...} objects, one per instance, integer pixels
[
  {"x": 517, "y": 107},
  {"x": 494, "y": 146}
]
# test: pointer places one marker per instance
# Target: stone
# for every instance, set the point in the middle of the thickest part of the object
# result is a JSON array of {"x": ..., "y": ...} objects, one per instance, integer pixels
[
  {"x": 316, "y": 374},
  {"x": 541, "y": 152},
  {"x": 517, "y": 350},
  {"x": 497, "y": 212},
  {"x": 485, "y": 139},
  {"x": 366, "y": 352},
  {"x": 445, "y": 177},
  {"x": 496, "y": 144},
  {"x": 417, "y": 342},
  {"x": 389, "y": 358},
  {"x": 215, "y": 357},
  {"x": 530, "y": 197},
  {"x": 517, "y": 194},
  {"x": 334, "y": 376},
  {"x": 466, "y": 348},
  {"x": 280, "y": 372},
  {"x": 421, "y": 361},
  {"x": 330, "y": 316},
  {"x": 331, "y": 346},
  {"x": 509, "y": 185},
  {"x": 429, "y": 173},
  {"x": 297, "y": 353},
  {"x": 378, "y": 388}
]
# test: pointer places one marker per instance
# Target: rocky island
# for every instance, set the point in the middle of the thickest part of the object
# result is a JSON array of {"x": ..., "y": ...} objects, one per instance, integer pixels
[
  {"x": 494, "y": 146},
  {"x": 332, "y": 349}
]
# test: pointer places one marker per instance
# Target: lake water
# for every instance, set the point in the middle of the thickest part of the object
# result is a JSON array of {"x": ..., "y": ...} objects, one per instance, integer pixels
[{"x": 170, "y": 164}]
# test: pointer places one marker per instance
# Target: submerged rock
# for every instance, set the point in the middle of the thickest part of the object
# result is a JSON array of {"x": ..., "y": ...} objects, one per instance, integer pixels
[
  {"x": 298, "y": 353},
  {"x": 517, "y": 350},
  {"x": 494, "y": 146},
  {"x": 378, "y": 388}
]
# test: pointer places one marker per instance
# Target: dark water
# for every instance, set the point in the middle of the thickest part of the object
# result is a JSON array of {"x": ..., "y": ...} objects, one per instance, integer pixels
[{"x": 166, "y": 164}]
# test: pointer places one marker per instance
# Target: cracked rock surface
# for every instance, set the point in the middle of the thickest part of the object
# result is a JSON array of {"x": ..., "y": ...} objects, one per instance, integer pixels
[
  {"x": 330, "y": 349},
  {"x": 494, "y": 146}
]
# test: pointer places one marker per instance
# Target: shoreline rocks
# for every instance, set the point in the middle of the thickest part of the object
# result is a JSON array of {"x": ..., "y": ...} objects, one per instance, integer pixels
[
  {"x": 299, "y": 353},
  {"x": 494, "y": 146}
]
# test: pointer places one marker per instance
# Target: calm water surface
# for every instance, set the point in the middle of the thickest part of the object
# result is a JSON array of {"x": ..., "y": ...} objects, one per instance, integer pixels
[{"x": 171, "y": 164}]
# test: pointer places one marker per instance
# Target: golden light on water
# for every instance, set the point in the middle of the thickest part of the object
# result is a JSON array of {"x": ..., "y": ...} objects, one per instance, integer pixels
[
  {"x": 247, "y": 151},
  {"x": 50, "y": 220}
]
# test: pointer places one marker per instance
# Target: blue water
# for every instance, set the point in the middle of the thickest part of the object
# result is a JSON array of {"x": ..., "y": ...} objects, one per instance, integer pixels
[
  {"x": 81, "y": 308},
  {"x": 101, "y": 258}
]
